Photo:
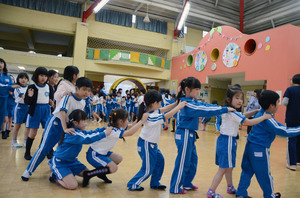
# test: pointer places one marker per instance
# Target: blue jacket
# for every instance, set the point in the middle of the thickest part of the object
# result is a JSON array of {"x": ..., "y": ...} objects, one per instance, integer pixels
[
  {"x": 189, "y": 115},
  {"x": 11, "y": 98},
  {"x": 5, "y": 85},
  {"x": 110, "y": 104},
  {"x": 218, "y": 122},
  {"x": 72, "y": 144},
  {"x": 264, "y": 133}
]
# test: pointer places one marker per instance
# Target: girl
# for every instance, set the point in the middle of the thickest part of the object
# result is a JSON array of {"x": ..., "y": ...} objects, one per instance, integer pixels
[
  {"x": 109, "y": 104},
  {"x": 52, "y": 82},
  {"x": 153, "y": 160},
  {"x": 185, "y": 135},
  {"x": 96, "y": 103},
  {"x": 6, "y": 85},
  {"x": 38, "y": 96},
  {"x": 226, "y": 143},
  {"x": 99, "y": 154},
  {"x": 21, "y": 109},
  {"x": 64, "y": 164},
  {"x": 123, "y": 103},
  {"x": 10, "y": 109}
]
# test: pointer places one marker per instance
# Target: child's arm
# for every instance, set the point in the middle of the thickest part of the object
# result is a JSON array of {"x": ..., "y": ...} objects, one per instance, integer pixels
[
  {"x": 174, "y": 110},
  {"x": 28, "y": 100},
  {"x": 134, "y": 128},
  {"x": 218, "y": 122},
  {"x": 255, "y": 121},
  {"x": 63, "y": 120},
  {"x": 249, "y": 114},
  {"x": 168, "y": 107},
  {"x": 277, "y": 128}
]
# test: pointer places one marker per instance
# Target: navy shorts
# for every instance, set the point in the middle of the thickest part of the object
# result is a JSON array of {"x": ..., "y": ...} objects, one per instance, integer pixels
[
  {"x": 41, "y": 115},
  {"x": 96, "y": 159},
  {"x": 226, "y": 151},
  {"x": 20, "y": 113},
  {"x": 62, "y": 168}
]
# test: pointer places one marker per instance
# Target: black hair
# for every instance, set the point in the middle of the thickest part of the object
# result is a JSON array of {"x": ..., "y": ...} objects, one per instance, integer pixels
[
  {"x": 76, "y": 115},
  {"x": 267, "y": 98},
  {"x": 258, "y": 92},
  {"x": 52, "y": 72},
  {"x": 13, "y": 78},
  {"x": 173, "y": 95},
  {"x": 150, "y": 97},
  {"x": 69, "y": 72},
  {"x": 124, "y": 97},
  {"x": 189, "y": 82},
  {"x": 162, "y": 90},
  {"x": 120, "y": 89},
  {"x": 118, "y": 92},
  {"x": 22, "y": 75},
  {"x": 5, "y": 66},
  {"x": 126, "y": 91},
  {"x": 115, "y": 115},
  {"x": 230, "y": 93},
  {"x": 94, "y": 92},
  {"x": 296, "y": 79},
  {"x": 84, "y": 82},
  {"x": 101, "y": 86},
  {"x": 214, "y": 102},
  {"x": 37, "y": 72},
  {"x": 143, "y": 90},
  {"x": 128, "y": 96}
]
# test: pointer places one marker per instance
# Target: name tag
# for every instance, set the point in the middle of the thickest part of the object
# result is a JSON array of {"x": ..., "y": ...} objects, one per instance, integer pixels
[
  {"x": 177, "y": 137},
  {"x": 139, "y": 149},
  {"x": 258, "y": 154},
  {"x": 191, "y": 135}
]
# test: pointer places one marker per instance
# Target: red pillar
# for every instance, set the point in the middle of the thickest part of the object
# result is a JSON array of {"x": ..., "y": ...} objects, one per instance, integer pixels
[{"x": 242, "y": 16}]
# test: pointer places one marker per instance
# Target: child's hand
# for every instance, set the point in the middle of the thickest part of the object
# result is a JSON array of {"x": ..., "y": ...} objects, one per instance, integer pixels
[
  {"x": 30, "y": 92},
  {"x": 230, "y": 109},
  {"x": 145, "y": 117},
  {"x": 267, "y": 116},
  {"x": 67, "y": 93},
  {"x": 15, "y": 86},
  {"x": 217, "y": 132},
  {"x": 182, "y": 104},
  {"x": 51, "y": 103},
  {"x": 69, "y": 131},
  {"x": 108, "y": 130}
]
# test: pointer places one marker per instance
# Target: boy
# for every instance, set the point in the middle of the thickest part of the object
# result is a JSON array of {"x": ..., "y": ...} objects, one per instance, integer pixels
[
  {"x": 256, "y": 159},
  {"x": 291, "y": 99},
  {"x": 57, "y": 123}
]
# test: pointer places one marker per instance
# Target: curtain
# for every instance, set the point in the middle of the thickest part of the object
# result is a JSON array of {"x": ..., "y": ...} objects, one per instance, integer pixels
[
  {"x": 154, "y": 25},
  {"x": 114, "y": 17}
]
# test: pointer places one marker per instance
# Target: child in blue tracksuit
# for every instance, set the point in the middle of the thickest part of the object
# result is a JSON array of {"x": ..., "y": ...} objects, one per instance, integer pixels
[
  {"x": 256, "y": 159},
  {"x": 10, "y": 109},
  {"x": 57, "y": 123},
  {"x": 109, "y": 104},
  {"x": 226, "y": 143},
  {"x": 64, "y": 163},
  {"x": 99, "y": 154},
  {"x": 153, "y": 160},
  {"x": 185, "y": 135},
  {"x": 6, "y": 85},
  {"x": 88, "y": 106},
  {"x": 128, "y": 105}
]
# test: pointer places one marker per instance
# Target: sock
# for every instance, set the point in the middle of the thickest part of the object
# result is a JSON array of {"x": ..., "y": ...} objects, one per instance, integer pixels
[
  {"x": 104, "y": 178},
  {"x": 29, "y": 142},
  {"x": 7, "y": 133},
  {"x": 87, "y": 175},
  {"x": 4, "y": 135},
  {"x": 173, "y": 125},
  {"x": 25, "y": 176}
]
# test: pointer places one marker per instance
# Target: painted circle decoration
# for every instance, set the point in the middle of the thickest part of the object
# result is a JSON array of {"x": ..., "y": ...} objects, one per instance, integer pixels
[
  {"x": 213, "y": 66},
  {"x": 200, "y": 61},
  {"x": 231, "y": 55},
  {"x": 267, "y": 39}
]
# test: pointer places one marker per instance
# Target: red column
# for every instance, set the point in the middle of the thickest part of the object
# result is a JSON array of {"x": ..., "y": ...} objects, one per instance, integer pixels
[{"x": 242, "y": 16}]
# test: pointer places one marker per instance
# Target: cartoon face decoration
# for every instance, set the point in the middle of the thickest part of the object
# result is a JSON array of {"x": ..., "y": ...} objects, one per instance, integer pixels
[
  {"x": 200, "y": 60},
  {"x": 231, "y": 55}
]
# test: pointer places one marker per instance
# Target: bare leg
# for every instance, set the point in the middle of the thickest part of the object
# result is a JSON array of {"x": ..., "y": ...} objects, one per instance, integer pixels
[
  {"x": 228, "y": 176},
  {"x": 218, "y": 178},
  {"x": 69, "y": 182}
]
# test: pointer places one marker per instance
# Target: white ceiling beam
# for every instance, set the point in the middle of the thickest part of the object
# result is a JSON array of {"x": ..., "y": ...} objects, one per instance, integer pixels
[
  {"x": 216, "y": 3},
  {"x": 138, "y": 7},
  {"x": 273, "y": 24}
]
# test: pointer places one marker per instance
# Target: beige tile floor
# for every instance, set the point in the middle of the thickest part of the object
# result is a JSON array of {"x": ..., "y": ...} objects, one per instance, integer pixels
[{"x": 12, "y": 165}]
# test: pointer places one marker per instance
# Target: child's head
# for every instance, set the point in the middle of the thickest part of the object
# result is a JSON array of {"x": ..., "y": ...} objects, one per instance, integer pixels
[
  {"x": 12, "y": 78},
  {"x": 127, "y": 92},
  {"x": 173, "y": 96},
  {"x": 77, "y": 119},
  {"x": 234, "y": 97},
  {"x": 83, "y": 87},
  {"x": 52, "y": 77},
  {"x": 269, "y": 101},
  {"x": 118, "y": 118},
  {"x": 152, "y": 101},
  {"x": 189, "y": 86},
  {"x": 128, "y": 96},
  {"x": 132, "y": 91},
  {"x": 142, "y": 91},
  {"x": 123, "y": 98},
  {"x": 108, "y": 97},
  {"x": 71, "y": 73},
  {"x": 102, "y": 87},
  {"x": 22, "y": 79},
  {"x": 40, "y": 76},
  {"x": 118, "y": 94},
  {"x": 257, "y": 93},
  {"x": 296, "y": 79},
  {"x": 162, "y": 90},
  {"x": 3, "y": 66}
]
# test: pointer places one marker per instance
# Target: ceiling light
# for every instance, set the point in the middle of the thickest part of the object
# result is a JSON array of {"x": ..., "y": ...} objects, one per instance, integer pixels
[
  {"x": 146, "y": 19},
  {"x": 185, "y": 12},
  {"x": 60, "y": 55},
  {"x": 185, "y": 30},
  {"x": 1, "y": 48},
  {"x": 100, "y": 5},
  {"x": 21, "y": 67},
  {"x": 32, "y": 52},
  {"x": 133, "y": 18}
]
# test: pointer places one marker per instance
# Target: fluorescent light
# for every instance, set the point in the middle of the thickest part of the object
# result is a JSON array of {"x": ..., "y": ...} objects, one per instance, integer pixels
[
  {"x": 1, "y": 48},
  {"x": 32, "y": 52},
  {"x": 184, "y": 15},
  {"x": 21, "y": 67},
  {"x": 185, "y": 30},
  {"x": 60, "y": 55},
  {"x": 133, "y": 18},
  {"x": 100, "y": 5}
]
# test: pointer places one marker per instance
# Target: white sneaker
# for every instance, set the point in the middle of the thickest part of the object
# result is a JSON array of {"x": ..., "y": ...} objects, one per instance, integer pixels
[
  {"x": 16, "y": 145},
  {"x": 292, "y": 167}
]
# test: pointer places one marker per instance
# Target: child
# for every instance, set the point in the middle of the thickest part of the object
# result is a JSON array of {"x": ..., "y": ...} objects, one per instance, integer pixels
[
  {"x": 226, "y": 143},
  {"x": 38, "y": 96},
  {"x": 109, "y": 104},
  {"x": 6, "y": 85},
  {"x": 128, "y": 105},
  {"x": 118, "y": 100},
  {"x": 57, "y": 123},
  {"x": 21, "y": 109},
  {"x": 10, "y": 109},
  {"x": 153, "y": 160},
  {"x": 52, "y": 82},
  {"x": 96, "y": 104},
  {"x": 99, "y": 154},
  {"x": 291, "y": 99},
  {"x": 256, "y": 159},
  {"x": 185, "y": 135},
  {"x": 88, "y": 106},
  {"x": 124, "y": 102},
  {"x": 64, "y": 164}
]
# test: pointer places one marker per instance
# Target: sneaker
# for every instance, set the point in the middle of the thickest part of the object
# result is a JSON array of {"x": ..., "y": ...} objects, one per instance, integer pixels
[
  {"x": 105, "y": 179},
  {"x": 138, "y": 188},
  {"x": 182, "y": 192},
  {"x": 231, "y": 190},
  {"x": 27, "y": 157},
  {"x": 160, "y": 187},
  {"x": 277, "y": 195},
  {"x": 52, "y": 178},
  {"x": 211, "y": 194},
  {"x": 191, "y": 188},
  {"x": 16, "y": 145},
  {"x": 292, "y": 167}
]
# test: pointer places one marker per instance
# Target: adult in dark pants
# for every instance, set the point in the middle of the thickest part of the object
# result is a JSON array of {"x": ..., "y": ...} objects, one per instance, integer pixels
[
  {"x": 253, "y": 105},
  {"x": 291, "y": 99}
]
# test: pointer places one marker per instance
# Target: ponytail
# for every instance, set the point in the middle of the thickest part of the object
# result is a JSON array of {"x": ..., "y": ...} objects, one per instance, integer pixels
[
  {"x": 181, "y": 90},
  {"x": 189, "y": 82},
  {"x": 142, "y": 110},
  {"x": 150, "y": 97}
]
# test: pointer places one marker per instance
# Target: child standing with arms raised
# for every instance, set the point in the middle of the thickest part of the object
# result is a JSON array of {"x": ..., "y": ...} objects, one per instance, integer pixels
[
  {"x": 153, "y": 160},
  {"x": 226, "y": 143},
  {"x": 185, "y": 135}
]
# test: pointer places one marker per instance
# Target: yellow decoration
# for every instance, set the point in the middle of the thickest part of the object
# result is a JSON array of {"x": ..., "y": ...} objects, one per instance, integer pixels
[
  {"x": 268, "y": 47},
  {"x": 184, "y": 66},
  {"x": 96, "y": 54},
  {"x": 134, "y": 57},
  {"x": 163, "y": 63},
  {"x": 235, "y": 63}
]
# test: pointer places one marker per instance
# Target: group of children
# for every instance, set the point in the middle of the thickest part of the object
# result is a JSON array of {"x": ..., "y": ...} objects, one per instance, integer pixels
[{"x": 66, "y": 127}]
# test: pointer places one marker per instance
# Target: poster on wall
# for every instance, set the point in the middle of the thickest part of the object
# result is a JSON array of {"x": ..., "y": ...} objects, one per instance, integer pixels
[
  {"x": 200, "y": 61},
  {"x": 231, "y": 55}
]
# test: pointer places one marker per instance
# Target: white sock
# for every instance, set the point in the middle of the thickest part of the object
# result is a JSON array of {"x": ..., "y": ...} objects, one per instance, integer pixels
[{"x": 26, "y": 174}]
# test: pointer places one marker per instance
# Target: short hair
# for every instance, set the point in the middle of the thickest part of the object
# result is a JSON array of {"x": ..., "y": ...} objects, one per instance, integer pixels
[
  {"x": 258, "y": 92},
  {"x": 143, "y": 90},
  {"x": 37, "y": 72},
  {"x": 94, "y": 92},
  {"x": 117, "y": 114},
  {"x": 296, "y": 79},
  {"x": 5, "y": 66},
  {"x": 52, "y": 72},
  {"x": 267, "y": 98},
  {"x": 118, "y": 92},
  {"x": 84, "y": 82},
  {"x": 22, "y": 75},
  {"x": 69, "y": 72},
  {"x": 101, "y": 86}
]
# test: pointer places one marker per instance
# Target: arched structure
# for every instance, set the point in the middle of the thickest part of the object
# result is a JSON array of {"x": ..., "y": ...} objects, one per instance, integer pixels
[{"x": 136, "y": 81}]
